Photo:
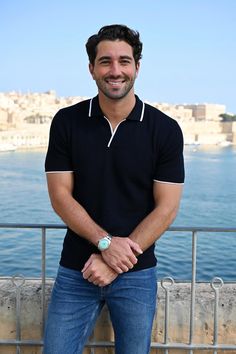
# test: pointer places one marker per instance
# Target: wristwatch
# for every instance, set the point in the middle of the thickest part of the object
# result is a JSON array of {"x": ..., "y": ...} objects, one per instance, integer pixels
[{"x": 104, "y": 242}]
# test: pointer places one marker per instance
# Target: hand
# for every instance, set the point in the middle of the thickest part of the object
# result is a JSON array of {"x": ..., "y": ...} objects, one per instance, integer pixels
[
  {"x": 121, "y": 254},
  {"x": 96, "y": 271}
]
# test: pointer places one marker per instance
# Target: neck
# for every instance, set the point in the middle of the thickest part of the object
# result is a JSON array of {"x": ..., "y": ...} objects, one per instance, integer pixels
[{"x": 117, "y": 110}]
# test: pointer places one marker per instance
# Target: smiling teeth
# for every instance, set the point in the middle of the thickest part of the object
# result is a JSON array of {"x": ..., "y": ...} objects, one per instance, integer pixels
[{"x": 115, "y": 83}]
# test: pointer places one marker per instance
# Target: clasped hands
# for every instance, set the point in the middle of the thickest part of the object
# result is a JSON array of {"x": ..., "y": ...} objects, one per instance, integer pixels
[{"x": 102, "y": 269}]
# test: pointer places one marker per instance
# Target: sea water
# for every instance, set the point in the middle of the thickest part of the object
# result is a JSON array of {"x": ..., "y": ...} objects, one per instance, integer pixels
[{"x": 209, "y": 200}]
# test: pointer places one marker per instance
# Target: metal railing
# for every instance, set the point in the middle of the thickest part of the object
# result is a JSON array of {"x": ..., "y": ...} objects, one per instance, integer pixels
[{"x": 166, "y": 284}]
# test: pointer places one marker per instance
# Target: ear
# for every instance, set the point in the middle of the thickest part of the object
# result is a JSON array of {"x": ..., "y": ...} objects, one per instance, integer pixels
[
  {"x": 137, "y": 68},
  {"x": 91, "y": 70}
]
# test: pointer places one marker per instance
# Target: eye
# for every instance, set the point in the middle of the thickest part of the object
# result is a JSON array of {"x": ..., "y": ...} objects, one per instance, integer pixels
[
  {"x": 125, "y": 62},
  {"x": 105, "y": 62}
]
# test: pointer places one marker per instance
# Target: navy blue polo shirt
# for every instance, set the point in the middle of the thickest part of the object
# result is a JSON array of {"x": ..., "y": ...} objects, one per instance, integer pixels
[{"x": 114, "y": 170}]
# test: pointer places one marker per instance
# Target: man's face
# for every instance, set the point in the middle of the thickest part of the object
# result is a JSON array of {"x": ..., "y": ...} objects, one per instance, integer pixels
[{"x": 114, "y": 69}]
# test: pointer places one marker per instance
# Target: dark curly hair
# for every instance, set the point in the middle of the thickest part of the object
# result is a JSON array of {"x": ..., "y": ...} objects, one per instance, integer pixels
[{"x": 112, "y": 33}]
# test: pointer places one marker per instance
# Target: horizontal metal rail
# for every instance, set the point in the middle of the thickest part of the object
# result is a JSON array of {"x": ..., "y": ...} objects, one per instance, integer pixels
[
  {"x": 107, "y": 344},
  {"x": 62, "y": 226},
  {"x": 166, "y": 284}
]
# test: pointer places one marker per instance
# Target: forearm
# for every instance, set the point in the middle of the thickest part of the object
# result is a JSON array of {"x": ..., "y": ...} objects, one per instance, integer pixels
[
  {"x": 167, "y": 199},
  {"x": 77, "y": 218},
  {"x": 146, "y": 233},
  {"x": 153, "y": 226},
  {"x": 119, "y": 256}
]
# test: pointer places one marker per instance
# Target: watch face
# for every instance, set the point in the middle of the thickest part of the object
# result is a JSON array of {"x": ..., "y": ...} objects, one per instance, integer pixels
[{"x": 103, "y": 244}]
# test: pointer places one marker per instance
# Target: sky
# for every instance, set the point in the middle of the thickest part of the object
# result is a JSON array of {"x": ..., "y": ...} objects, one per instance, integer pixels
[{"x": 189, "y": 47}]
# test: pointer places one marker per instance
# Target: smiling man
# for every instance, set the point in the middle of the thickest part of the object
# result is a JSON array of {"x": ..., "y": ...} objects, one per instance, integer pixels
[{"x": 115, "y": 173}]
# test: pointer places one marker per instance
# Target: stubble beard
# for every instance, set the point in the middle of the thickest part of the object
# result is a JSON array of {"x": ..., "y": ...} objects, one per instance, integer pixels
[{"x": 115, "y": 93}]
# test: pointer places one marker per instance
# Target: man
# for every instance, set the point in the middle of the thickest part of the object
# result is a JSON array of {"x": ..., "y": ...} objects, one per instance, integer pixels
[{"x": 115, "y": 173}]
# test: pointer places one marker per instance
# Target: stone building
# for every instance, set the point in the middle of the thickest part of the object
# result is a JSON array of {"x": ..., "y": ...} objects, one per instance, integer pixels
[{"x": 206, "y": 111}]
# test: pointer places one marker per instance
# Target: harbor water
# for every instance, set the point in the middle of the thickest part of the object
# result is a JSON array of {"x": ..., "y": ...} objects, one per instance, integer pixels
[{"x": 209, "y": 200}]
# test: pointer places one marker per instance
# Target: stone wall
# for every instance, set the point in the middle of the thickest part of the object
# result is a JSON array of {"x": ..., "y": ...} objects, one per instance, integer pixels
[
  {"x": 202, "y": 132},
  {"x": 208, "y": 132},
  {"x": 180, "y": 297}
]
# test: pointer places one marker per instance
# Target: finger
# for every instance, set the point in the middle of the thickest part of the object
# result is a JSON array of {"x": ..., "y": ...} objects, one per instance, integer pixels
[
  {"x": 130, "y": 259},
  {"x": 86, "y": 275},
  {"x": 135, "y": 247},
  {"x": 124, "y": 268},
  {"x": 87, "y": 264},
  {"x": 130, "y": 265},
  {"x": 91, "y": 279},
  {"x": 117, "y": 269}
]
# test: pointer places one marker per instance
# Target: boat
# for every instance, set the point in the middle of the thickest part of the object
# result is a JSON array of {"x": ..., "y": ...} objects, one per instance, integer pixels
[
  {"x": 7, "y": 147},
  {"x": 224, "y": 143}
]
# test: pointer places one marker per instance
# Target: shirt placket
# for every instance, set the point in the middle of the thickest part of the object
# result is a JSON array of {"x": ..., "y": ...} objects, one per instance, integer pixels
[{"x": 113, "y": 132}]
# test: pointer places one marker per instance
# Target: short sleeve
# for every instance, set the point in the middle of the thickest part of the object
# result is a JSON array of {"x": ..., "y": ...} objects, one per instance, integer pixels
[
  {"x": 58, "y": 157},
  {"x": 170, "y": 162}
]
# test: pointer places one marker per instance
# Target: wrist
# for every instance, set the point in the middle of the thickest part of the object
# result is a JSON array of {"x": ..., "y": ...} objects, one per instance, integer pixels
[{"x": 104, "y": 242}]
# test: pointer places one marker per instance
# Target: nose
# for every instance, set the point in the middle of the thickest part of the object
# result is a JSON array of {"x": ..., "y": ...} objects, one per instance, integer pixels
[{"x": 115, "y": 69}]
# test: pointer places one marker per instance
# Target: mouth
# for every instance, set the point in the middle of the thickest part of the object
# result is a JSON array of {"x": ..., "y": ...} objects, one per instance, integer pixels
[{"x": 115, "y": 83}]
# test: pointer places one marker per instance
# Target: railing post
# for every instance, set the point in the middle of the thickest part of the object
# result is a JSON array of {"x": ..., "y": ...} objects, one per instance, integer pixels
[
  {"x": 43, "y": 275},
  {"x": 193, "y": 288},
  {"x": 18, "y": 281},
  {"x": 166, "y": 284},
  {"x": 216, "y": 284}
]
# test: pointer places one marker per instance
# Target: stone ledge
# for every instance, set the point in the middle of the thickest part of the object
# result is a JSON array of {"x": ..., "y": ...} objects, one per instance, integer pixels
[{"x": 179, "y": 307}]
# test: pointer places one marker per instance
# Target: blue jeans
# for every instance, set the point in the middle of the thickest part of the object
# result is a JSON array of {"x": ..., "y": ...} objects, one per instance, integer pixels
[{"x": 76, "y": 304}]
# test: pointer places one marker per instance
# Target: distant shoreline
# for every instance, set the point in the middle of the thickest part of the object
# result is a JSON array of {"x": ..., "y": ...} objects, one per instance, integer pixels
[{"x": 192, "y": 147}]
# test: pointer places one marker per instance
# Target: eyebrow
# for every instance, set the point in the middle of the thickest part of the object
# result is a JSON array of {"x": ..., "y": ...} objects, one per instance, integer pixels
[{"x": 107, "y": 57}]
